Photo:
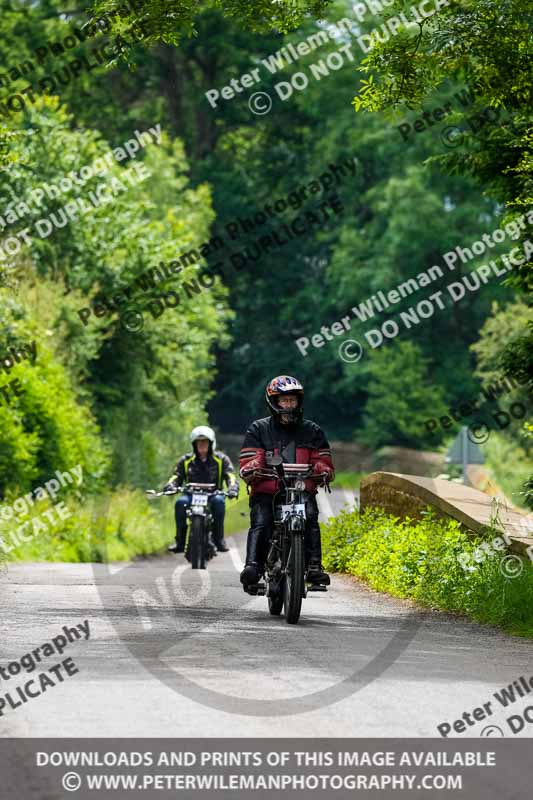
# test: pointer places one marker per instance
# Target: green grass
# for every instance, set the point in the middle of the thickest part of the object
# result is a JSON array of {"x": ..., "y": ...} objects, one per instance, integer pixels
[
  {"x": 113, "y": 528},
  {"x": 510, "y": 466},
  {"x": 235, "y": 522},
  {"x": 347, "y": 480},
  {"x": 419, "y": 560}
]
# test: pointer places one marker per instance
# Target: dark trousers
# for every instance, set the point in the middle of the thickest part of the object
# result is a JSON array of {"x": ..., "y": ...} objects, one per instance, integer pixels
[
  {"x": 218, "y": 509},
  {"x": 262, "y": 525}
]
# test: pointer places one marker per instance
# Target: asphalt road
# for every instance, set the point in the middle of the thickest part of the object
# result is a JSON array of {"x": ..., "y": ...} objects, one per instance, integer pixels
[{"x": 178, "y": 653}]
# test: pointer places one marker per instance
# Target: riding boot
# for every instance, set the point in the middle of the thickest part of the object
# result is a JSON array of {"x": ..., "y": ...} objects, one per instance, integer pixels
[
  {"x": 315, "y": 571},
  {"x": 253, "y": 570},
  {"x": 181, "y": 534},
  {"x": 258, "y": 538},
  {"x": 179, "y": 546},
  {"x": 211, "y": 547},
  {"x": 180, "y": 514}
]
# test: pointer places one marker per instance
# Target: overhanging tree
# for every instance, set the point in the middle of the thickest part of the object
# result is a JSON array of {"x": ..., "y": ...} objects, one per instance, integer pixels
[{"x": 488, "y": 45}]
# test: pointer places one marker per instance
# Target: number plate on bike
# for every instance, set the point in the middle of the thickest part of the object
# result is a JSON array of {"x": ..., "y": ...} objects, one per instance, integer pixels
[
  {"x": 297, "y": 508},
  {"x": 199, "y": 499}
]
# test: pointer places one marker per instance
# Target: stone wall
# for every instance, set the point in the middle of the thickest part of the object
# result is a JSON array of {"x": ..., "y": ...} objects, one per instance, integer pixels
[{"x": 478, "y": 513}]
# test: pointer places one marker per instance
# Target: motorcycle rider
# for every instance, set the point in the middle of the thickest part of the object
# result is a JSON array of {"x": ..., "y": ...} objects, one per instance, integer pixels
[
  {"x": 204, "y": 464},
  {"x": 298, "y": 441}
]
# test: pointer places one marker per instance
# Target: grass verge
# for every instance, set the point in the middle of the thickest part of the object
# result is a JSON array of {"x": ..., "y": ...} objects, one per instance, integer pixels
[
  {"x": 116, "y": 527},
  {"x": 348, "y": 480},
  {"x": 420, "y": 561},
  {"x": 108, "y": 528},
  {"x": 237, "y": 515}
]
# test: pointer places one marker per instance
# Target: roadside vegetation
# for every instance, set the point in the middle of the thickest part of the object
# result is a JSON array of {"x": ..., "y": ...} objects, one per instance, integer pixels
[
  {"x": 348, "y": 480},
  {"x": 120, "y": 399},
  {"x": 115, "y": 527},
  {"x": 422, "y": 561}
]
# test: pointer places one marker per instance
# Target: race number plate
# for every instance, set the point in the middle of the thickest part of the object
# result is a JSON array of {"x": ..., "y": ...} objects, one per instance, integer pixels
[
  {"x": 298, "y": 508},
  {"x": 199, "y": 500}
]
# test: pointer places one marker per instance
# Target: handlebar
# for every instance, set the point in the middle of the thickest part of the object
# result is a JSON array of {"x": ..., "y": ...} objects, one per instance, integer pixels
[
  {"x": 282, "y": 474},
  {"x": 188, "y": 488},
  {"x": 151, "y": 493}
]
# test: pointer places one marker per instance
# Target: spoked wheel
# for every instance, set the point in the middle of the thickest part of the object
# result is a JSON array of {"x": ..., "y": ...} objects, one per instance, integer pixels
[
  {"x": 198, "y": 543},
  {"x": 294, "y": 581}
]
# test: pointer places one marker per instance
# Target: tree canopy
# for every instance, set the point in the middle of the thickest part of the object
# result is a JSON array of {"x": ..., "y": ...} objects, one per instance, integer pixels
[{"x": 402, "y": 202}]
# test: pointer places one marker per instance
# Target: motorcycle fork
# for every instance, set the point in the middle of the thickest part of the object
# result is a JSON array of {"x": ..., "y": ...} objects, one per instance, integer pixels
[{"x": 190, "y": 515}]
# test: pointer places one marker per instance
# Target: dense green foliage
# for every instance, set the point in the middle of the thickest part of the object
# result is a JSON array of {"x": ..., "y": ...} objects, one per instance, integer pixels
[
  {"x": 121, "y": 402},
  {"x": 170, "y": 20},
  {"x": 488, "y": 45},
  {"x": 398, "y": 385},
  {"x": 499, "y": 353},
  {"x": 105, "y": 528},
  {"x": 399, "y": 218},
  {"x": 161, "y": 373},
  {"x": 421, "y": 561}
]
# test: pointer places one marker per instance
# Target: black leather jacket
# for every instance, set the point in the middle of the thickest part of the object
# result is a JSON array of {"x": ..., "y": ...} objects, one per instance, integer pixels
[{"x": 216, "y": 469}]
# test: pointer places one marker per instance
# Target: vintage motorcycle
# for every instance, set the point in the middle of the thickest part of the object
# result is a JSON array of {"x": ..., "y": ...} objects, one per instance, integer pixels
[
  {"x": 199, "y": 546},
  {"x": 285, "y": 585}
]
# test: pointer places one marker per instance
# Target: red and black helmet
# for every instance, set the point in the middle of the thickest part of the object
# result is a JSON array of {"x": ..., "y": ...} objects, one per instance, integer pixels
[{"x": 285, "y": 384}]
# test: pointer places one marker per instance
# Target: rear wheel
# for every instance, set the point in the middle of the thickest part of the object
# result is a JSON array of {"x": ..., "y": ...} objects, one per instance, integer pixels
[
  {"x": 294, "y": 581},
  {"x": 197, "y": 543}
]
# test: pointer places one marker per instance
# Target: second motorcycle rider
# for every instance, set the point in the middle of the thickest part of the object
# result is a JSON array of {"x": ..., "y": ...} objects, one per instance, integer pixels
[{"x": 205, "y": 464}]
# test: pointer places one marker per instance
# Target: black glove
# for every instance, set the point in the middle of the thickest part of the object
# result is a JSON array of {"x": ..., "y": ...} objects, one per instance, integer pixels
[
  {"x": 233, "y": 491},
  {"x": 170, "y": 487}
]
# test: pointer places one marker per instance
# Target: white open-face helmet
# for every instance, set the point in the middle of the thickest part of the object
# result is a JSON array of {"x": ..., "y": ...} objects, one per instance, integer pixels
[{"x": 203, "y": 432}]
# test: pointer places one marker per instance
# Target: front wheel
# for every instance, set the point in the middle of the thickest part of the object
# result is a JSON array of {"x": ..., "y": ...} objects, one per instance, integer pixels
[
  {"x": 294, "y": 581},
  {"x": 197, "y": 543}
]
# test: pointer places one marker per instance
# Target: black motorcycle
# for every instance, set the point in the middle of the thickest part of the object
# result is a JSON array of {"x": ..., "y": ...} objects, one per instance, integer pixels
[
  {"x": 285, "y": 584},
  {"x": 199, "y": 547}
]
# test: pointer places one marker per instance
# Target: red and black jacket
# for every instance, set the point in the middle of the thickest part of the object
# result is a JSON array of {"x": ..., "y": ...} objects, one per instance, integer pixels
[{"x": 305, "y": 443}]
